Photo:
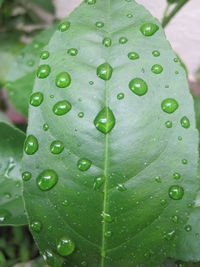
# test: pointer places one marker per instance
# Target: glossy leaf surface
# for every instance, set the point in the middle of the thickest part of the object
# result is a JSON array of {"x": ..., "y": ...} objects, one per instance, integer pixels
[
  {"x": 128, "y": 167},
  {"x": 11, "y": 147}
]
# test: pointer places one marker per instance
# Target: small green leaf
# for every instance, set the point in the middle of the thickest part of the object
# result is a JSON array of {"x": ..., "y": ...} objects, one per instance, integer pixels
[{"x": 11, "y": 204}]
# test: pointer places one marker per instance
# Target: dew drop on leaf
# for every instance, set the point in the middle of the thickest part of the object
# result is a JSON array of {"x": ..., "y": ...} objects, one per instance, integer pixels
[
  {"x": 63, "y": 80},
  {"x": 47, "y": 180},
  {"x": 31, "y": 145},
  {"x": 84, "y": 164},
  {"x": 98, "y": 182},
  {"x": 56, "y": 147},
  {"x": 107, "y": 42},
  {"x": 138, "y": 86},
  {"x": 120, "y": 96},
  {"x": 123, "y": 40},
  {"x": 44, "y": 55},
  {"x": 99, "y": 24},
  {"x": 176, "y": 192},
  {"x": 156, "y": 53},
  {"x": 176, "y": 175},
  {"x": 133, "y": 55},
  {"x": 80, "y": 114},
  {"x": 26, "y": 176},
  {"x": 185, "y": 122},
  {"x": 90, "y": 2},
  {"x": 188, "y": 228},
  {"x": 105, "y": 120},
  {"x": 31, "y": 63},
  {"x": 175, "y": 219},
  {"x": 36, "y": 99},
  {"x": 158, "y": 179},
  {"x": 184, "y": 161},
  {"x": 169, "y": 105},
  {"x": 72, "y": 52},
  {"x": 65, "y": 246},
  {"x": 45, "y": 127},
  {"x": 107, "y": 217},
  {"x": 4, "y": 215},
  {"x": 65, "y": 203},
  {"x": 36, "y": 226},
  {"x": 157, "y": 69},
  {"x": 168, "y": 124},
  {"x": 121, "y": 188},
  {"x": 64, "y": 26},
  {"x": 148, "y": 29},
  {"x": 104, "y": 71},
  {"x": 62, "y": 107},
  {"x": 108, "y": 234},
  {"x": 129, "y": 15},
  {"x": 43, "y": 71},
  {"x": 169, "y": 236}
]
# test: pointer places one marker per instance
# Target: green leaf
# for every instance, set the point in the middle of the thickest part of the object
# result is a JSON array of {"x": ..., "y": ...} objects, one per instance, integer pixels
[
  {"x": 11, "y": 205},
  {"x": 9, "y": 47},
  {"x": 196, "y": 99},
  {"x": 111, "y": 163},
  {"x": 22, "y": 75},
  {"x": 46, "y": 5},
  {"x": 1, "y": 2}
]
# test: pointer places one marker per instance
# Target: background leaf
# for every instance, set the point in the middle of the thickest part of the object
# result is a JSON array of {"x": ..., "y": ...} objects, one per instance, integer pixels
[
  {"x": 107, "y": 162},
  {"x": 46, "y": 5},
  {"x": 11, "y": 205}
]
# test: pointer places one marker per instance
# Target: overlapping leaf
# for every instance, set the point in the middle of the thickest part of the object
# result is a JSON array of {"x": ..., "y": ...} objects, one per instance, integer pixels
[{"x": 111, "y": 145}]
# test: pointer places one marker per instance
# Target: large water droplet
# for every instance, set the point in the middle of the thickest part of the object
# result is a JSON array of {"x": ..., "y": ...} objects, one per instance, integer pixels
[
  {"x": 65, "y": 246},
  {"x": 176, "y": 192},
  {"x": 148, "y": 29},
  {"x": 72, "y": 52},
  {"x": 63, "y": 80},
  {"x": 31, "y": 145},
  {"x": 36, "y": 99},
  {"x": 4, "y": 215},
  {"x": 98, "y": 182},
  {"x": 84, "y": 164},
  {"x": 56, "y": 147},
  {"x": 43, "y": 71},
  {"x": 133, "y": 55},
  {"x": 47, "y": 179},
  {"x": 64, "y": 26},
  {"x": 26, "y": 176},
  {"x": 138, "y": 86},
  {"x": 185, "y": 122},
  {"x": 107, "y": 217},
  {"x": 62, "y": 107},
  {"x": 157, "y": 69},
  {"x": 169, "y": 105},
  {"x": 104, "y": 71},
  {"x": 107, "y": 42},
  {"x": 36, "y": 226},
  {"x": 105, "y": 120},
  {"x": 44, "y": 55}
]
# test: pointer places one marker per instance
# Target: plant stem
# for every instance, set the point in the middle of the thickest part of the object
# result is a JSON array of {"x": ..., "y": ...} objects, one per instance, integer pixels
[{"x": 168, "y": 18}]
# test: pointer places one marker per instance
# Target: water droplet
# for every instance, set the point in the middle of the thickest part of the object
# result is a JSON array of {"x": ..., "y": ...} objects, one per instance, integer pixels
[
  {"x": 176, "y": 192},
  {"x": 180, "y": 138},
  {"x": 175, "y": 219},
  {"x": 121, "y": 188},
  {"x": 36, "y": 226},
  {"x": 11, "y": 165},
  {"x": 36, "y": 99},
  {"x": 98, "y": 182},
  {"x": 84, "y": 164},
  {"x": 46, "y": 127},
  {"x": 185, "y": 122},
  {"x": 99, "y": 24},
  {"x": 188, "y": 228},
  {"x": 107, "y": 217},
  {"x": 148, "y": 29},
  {"x": 64, "y": 26},
  {"x": 156, "y": 53},
  {"x": 157, "y": 69},
  {"x": 176, "y": 175},
  {"x": 184, "y": 161},
  {"x": 129, "y": 15},
  {"x": 63, "y": 80},
  {"x": 65, "y": 246},
  {"x": 168, "y": 124},
  {"x": 62, "y": 107},
  {"x": 31, "y": 145},
  {"x": 169, "y": 105},
  {"x": 123, "y": 40},
  {"x": 138, "y": 86},
  {"x": 120, "y": 96},
  {"x": 72, "y": 52},
  {"x": 31, "y": 63},
  {"x": 133, "y": 55},
  {"x": 37, "y": 45},
  {"x": 26, "y": 176},
  {"x": 176, "y": 59},
  {"x": 44, "y": 55},
  {"x": 170, "y": 235},
  {"x": 105, "y": 120},
  {"x": 108, "y": 234},
  {"x": 163, "y": 202},
  {"x": 65, "y": 203},
  {"x": 158, "y": 179},
  {"x": 91, "y": 82},
  {"x": 80, "y": 114},
  {"x": 4, "y": 215},
  {"x": 47, "y": 179},
  {"x": 43, "y": 71},
  {"x": 104, "y": 71},
  {"x": 107, "y": 42},
  {"x": 56, "y": 147}
]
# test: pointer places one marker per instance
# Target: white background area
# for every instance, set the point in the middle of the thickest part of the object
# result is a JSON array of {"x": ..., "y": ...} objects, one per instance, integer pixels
[{"x": 183, "y": 32}]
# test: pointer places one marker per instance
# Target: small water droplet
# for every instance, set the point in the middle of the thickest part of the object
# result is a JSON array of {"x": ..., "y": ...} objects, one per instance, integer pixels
[
  {"x": 36, "y": 99},
  {"x": 185, "y": 122},
  {"x": 188, "y": 228},
  {"x": 64, "y": 26},
  {"x": 47, "y": 180},
  {"x": 121, "y": 188},
  {"x": 56, "y": 147},
  {"x": 133, "y": 55},
  {"x": 91, "y": 82},
  {"x": 180, "y": 138},
  {"x": 105, "y": 120},
  {"x": 123, "y": 40},
  {"x": 26, "y": 176},
  {"x": 104, "y": 71},
  {"x": 62, "y": 107},
  {"x": 107, "y": 42},
  {"x": 176, "y": 59},
  {"x": 31, "y": 145},
  {"x": 44, "y": 55},
  {"x": 11, "y": 165},
  {"x": 65, "y": 203},
  {"x": 169, "y": 105},
  {"x": 72, "y": 52},
  {"x": 176, "y": 175},
  {"x": 157, "y": 69},
  {"x": 84, "y": 164},
  {"x": 43, "y": 71},
  {"x": 168, "y": 124},
  {"x": 129, "y": 15},
  {"x": 107, "y": 217},
  {"x": 99, "y": 24},
  {"x": 65, "y": 246},
  {"x": 156, "y": 53},
  {"x": 170, "y": 235},
  {"x": 138, "y": 86},
  {"x": 4, "y": 215},
  {"x": 31, "y": 63},
  {"x": 36, "y": 226},
  {"x": 158, "y": 179},
  {"x": 148, "y": 29},
  {"x": 108, "y": 234},
  {"x": 63, "y": 80},
  {"x": 163, "y": 202},
  {"x": 175, "y": 219},
  {"x": 98, "y": 182},
  {"x": 45, "y": 127},
  {"x": 80, "y": 114},
  {"x": 176, "y": 192},
  {"x": 120, "y": 96},
  {"x": 184, "y": 161}
]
